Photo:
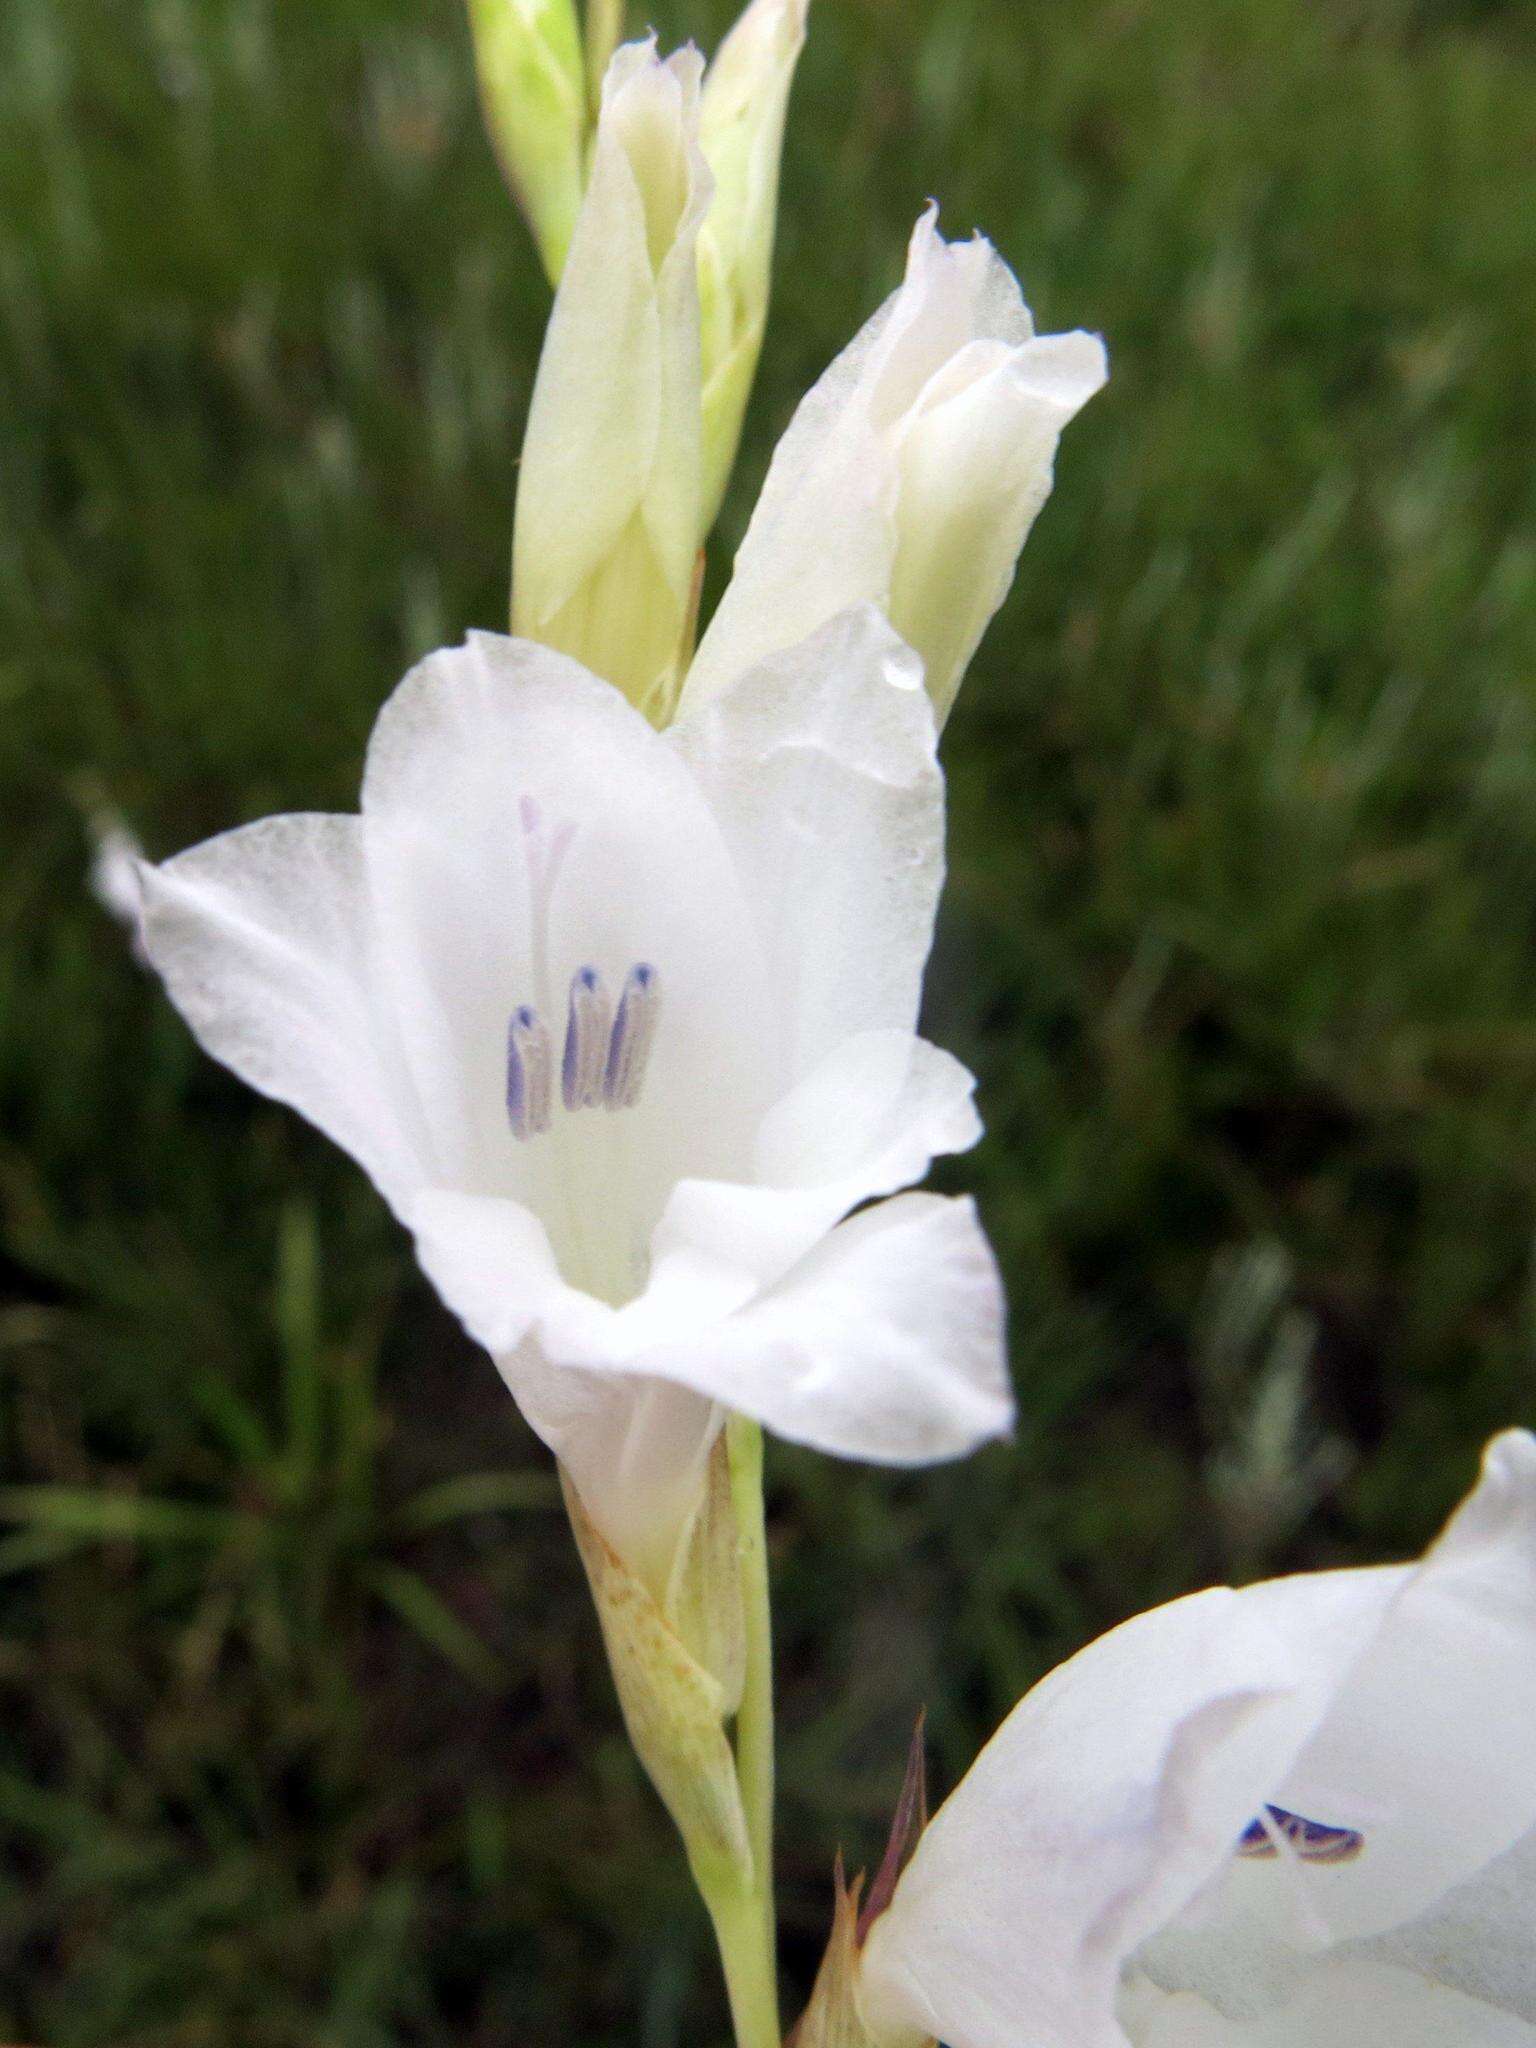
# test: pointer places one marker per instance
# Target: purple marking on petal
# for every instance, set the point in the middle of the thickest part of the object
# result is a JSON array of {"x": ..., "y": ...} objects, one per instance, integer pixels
[{"x": 1313, "y": 1841}]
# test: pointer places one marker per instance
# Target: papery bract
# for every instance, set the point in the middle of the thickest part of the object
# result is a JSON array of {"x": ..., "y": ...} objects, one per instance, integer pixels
[
  {"x": 622, "y": 1025},
  {"x": 911, "y": 473},
  {"x": 1298, "y": 1816}
]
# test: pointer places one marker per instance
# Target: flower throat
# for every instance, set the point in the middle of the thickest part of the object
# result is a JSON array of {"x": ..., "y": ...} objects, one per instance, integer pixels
[{"x": 607, "y": 1046}]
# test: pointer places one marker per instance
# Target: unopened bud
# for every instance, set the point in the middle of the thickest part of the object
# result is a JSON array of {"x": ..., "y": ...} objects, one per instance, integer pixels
[
  {"x": 746, "y": 94},
  {"x": 609, "y": 523},
  {"x": 533, "y": 88},
  {"x": 912, "y": 473}
]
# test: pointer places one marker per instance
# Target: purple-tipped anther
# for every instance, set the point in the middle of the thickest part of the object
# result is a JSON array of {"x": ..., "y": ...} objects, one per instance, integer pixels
[
  {"x": 588, "y": 1023},
  {"x": 1313, "y": 1841},
  {"x": 529, "y": 1074},
  {"x": 634, "y": 1029}
]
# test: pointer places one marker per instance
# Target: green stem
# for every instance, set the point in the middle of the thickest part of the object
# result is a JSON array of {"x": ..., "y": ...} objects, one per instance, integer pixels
[
  {"x": 750, "y": 1977},
  {"x": 754, "y": 1718}
]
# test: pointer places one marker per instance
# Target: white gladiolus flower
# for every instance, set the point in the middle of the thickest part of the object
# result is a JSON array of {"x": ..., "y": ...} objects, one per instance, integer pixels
[
  {"x": 609, "y": 501},
  {"x": 621, "y": 1023},
  {"x": 1296, "y": 1816},
  {"x": 912, "y": 472}
]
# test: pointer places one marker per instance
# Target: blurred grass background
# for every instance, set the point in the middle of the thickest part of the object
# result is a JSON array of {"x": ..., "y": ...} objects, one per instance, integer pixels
[{"x": 305, "y": 1740}]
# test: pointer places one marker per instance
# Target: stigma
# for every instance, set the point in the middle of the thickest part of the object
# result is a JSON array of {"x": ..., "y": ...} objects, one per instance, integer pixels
[
  {"x": 1313, "y": 1841},
  {"x": 604, "y": 1058}
]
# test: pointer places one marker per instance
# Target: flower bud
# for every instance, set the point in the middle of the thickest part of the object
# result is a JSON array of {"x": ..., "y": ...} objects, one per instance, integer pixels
[
  {"x": 746, "y": 94},
  {"x": 608, "y": 522},
  {"x": 911, "y": 474},
  {"x": 533, "y": 87}
]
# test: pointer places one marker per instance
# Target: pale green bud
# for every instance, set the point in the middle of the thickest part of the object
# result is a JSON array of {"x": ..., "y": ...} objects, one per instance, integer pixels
[
  {"x": 609, "y": 524},
  {"x": 533, "y": 88},
  {"x": 746, "y": 93}
]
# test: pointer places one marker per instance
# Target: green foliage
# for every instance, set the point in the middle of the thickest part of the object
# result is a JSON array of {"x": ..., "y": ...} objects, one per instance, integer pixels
[{"x": 305, "y": 1740}]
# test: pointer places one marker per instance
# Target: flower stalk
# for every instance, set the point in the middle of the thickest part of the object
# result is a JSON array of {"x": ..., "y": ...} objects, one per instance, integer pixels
[
  {"x": 735, "y": 1911},
  {"x": 754, "y": 1717}
]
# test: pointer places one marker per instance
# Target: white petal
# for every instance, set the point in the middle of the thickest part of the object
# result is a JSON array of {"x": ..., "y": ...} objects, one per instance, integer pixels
[
  {"x": 820, "y": 765},
  {"x": 976, "y": 465},
  {"x": 1436, "y": 1725},
  {"x": 1104, "y": 1807},
  {"x": 470, "y": 740},
  {"x": 886, "y": 1343},
  {"x": 266, "y": 943},
  {"x": 1344, "y": 2005},
  {"x": 636, "y": 1449},
  {"x": 869, "y": 1118},
  {"x": 490, "y": 1260},
  {"x": 1424, "y": 1748},
  {"x": 634, "y": 1446},
  {"x": 117, "y": 873},
  {"x": 1428, "y": 1747},
  {"x": 869, "y": 1121},
  {"x": 1478, "y": 1937},
  {"x": 1103, "y": 1803}
]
